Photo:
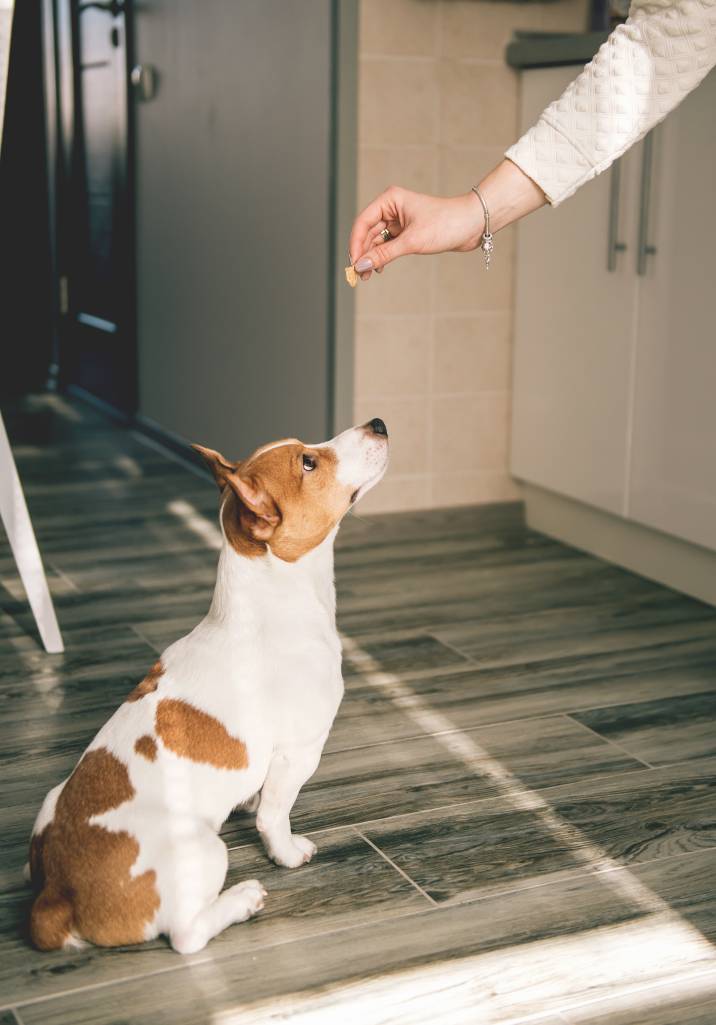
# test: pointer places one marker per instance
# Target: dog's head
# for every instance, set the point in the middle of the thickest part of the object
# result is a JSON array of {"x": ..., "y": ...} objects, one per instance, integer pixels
[{"x": 289, "y": 496}]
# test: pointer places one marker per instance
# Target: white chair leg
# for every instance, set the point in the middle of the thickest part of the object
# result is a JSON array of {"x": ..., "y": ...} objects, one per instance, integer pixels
[{"x": 17, "y": 523}]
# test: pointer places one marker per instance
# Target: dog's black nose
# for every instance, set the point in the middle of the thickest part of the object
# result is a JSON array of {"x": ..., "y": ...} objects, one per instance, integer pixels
[{"x": 378, "y": 427}]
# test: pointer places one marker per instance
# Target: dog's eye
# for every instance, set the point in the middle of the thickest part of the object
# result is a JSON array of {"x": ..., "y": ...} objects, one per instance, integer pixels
[{"x": 309, "y": 463}]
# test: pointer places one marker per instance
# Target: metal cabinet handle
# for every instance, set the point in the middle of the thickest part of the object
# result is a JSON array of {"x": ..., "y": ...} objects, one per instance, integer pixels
[
  {"x": 613, "y": 246},
  {"x": 644, "y": 248},
  {"x": 112, "y": 7}
]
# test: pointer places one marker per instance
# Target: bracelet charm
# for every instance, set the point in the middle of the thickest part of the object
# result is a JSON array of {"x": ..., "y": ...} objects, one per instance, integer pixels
[{"x": 486, "y": 245}]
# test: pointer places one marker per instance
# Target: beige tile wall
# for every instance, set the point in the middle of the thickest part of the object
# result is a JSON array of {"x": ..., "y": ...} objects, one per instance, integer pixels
[{"x": 437, "y": 108}]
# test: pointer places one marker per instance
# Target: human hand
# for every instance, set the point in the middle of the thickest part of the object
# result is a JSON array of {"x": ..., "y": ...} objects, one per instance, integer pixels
[{"x": 417, "y": 223}]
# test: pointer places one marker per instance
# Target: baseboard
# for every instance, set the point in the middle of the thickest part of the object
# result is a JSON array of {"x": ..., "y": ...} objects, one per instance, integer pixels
[
  {"x": 110, "y": 411},
  {"x": 172, "y": 444},
  {"x": 678, "y": 564}
]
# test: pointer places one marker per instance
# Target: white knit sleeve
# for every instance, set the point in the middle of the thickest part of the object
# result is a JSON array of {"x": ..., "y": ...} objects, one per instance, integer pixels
[{"x": 644, "y": 70}]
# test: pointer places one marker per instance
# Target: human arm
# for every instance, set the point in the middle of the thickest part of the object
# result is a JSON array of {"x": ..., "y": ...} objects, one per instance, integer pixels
[
  {"x": 431, "y": 224},
  {"x": 644, "y": 69},
  {"x": 639, "y": 75}
]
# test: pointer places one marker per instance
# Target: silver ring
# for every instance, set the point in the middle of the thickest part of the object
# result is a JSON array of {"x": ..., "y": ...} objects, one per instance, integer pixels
[{"x": 385, "y": 234}]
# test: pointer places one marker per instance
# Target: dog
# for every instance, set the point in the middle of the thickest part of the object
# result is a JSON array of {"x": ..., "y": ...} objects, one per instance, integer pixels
[{"x": 233, "y": 714}]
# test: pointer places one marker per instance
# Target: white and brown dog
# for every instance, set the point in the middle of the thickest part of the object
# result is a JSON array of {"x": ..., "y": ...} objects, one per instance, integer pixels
[{"x": 127, "y": 848}]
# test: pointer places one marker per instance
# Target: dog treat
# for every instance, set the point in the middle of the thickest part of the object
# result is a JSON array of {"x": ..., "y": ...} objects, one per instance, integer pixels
[{"x": 351, "y": 276}]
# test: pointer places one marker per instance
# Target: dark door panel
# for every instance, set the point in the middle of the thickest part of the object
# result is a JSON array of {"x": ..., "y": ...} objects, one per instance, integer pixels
[{"x": 98, "y": 350}]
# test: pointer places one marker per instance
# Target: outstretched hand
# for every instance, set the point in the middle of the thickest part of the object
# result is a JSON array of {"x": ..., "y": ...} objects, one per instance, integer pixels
[{"x": 417, "y": 224}]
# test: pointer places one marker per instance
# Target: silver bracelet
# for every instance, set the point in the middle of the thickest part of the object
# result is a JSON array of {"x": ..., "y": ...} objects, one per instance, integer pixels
[{"x": 487, "y": 245}]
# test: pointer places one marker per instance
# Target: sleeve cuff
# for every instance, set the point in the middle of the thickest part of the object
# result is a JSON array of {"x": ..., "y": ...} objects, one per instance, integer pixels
[{"x": 551, "y": 160}]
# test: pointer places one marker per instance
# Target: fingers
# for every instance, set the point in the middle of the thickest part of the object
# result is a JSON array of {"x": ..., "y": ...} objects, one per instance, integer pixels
[
  {"x": 364, "y": 227},
  {"x": 379, "y": 256},
  {"x": 376, "y": 237},
  {"x": 385, "y": 209}
]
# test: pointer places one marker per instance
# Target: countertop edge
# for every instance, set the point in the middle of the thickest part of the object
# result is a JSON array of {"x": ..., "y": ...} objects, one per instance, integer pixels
[{"x": 533, "y": 51}]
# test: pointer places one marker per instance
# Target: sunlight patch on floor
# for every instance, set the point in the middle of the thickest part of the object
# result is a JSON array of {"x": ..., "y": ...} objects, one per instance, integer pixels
[
  {"x": 660, "y": 952},
  {"x": 637, "y": 966},
  {"x": 196, "y": 522}
]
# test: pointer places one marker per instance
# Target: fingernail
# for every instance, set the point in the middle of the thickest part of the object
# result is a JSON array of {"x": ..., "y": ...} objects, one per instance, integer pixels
[
  {"x": 365, "y": 263},
  {"x": 366, "y": 276}
]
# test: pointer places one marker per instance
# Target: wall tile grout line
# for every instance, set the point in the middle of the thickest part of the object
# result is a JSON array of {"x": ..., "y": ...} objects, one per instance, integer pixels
[
  {"x": 397, "y": 868},
  {"x": 608, "y": 740}
]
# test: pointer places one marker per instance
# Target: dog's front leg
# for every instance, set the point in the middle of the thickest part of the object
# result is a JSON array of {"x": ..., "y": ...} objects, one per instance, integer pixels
[{"x": 288, "y": 771}]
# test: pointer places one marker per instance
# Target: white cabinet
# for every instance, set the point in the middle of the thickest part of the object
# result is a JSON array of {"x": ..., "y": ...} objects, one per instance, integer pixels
[
  {"x": 615, "y": 370},
  {"x": 672, "y": 479}
]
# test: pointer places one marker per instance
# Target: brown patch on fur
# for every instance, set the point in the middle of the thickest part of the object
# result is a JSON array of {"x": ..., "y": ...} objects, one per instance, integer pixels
[
  {"x": 238, "y": 522},
  {"x": 310, "y": 504},
  {"x": 148, "y": 684},
  {"x": 50, "y": 921},
  {"x": 193, "y": 734},
  {"x": 146, "y": 746},
  {"x": 84, "y": 869}
]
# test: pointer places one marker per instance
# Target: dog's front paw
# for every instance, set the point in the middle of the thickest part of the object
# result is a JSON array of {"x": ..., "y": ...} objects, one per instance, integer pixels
[{"x": 293, "y": 855}]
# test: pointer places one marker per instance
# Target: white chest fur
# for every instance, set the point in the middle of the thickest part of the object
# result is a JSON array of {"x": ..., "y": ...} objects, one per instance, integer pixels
[{"x": 268, "y": 648}]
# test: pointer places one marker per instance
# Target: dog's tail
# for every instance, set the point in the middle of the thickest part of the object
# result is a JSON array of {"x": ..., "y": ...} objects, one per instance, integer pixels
[
  {"x": 51, "y": 921},
  {"x": 51, "y": 915}
]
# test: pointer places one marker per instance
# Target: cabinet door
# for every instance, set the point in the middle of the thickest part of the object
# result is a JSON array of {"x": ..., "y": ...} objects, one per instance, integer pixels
[
  {"x": 673, "y": 472},
  {"x": 574, "y": 331}
]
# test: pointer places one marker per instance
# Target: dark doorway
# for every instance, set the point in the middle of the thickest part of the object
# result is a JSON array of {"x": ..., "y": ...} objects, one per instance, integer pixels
[
  {"x": 96, "y": 236},
  {"x": 25, "y": 265}
]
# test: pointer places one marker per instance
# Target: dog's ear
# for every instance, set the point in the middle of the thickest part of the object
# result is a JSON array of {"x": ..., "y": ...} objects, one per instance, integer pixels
[
  {"x": 255, "y": 497},
  {"x": 219, "y": 466}
]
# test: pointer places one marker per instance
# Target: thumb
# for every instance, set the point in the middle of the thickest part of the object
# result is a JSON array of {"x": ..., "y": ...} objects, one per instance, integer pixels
[{"x": 380, "y": 256}]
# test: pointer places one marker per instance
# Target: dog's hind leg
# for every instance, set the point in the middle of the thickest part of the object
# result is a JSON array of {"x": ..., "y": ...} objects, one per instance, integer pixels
[
  {"x": 233, "y": 905},
  {"x": 192, "y": 873}
]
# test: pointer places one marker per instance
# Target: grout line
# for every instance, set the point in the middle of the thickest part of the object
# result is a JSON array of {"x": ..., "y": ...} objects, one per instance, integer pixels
[
  {"x": 427, "y": 393},
  {"x": 451, "y": 647},
  {"x": 438, "y": 909},
  {"x": 607, "y": 740},
  {"x": 604, "y": 1001},
  {"x": 459, "y": 315},
  {"x": 397, "y": 868},
  {"x": 521, "y": 797},
  {"x": 461, "y": 746},
  {"x": 492, "y": 723},
  {"x": 466, "y": 670},
  {"x": 63, "y": 576},
  {"x": 606, "y": 777},
  {"x": 140, "y": 635},
  {"x": 373, "y": 56}
]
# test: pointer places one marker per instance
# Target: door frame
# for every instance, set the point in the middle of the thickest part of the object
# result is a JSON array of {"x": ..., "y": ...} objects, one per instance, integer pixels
[
  {"x": 344, "y": 174},
  {"x": 62, "y": 110}
]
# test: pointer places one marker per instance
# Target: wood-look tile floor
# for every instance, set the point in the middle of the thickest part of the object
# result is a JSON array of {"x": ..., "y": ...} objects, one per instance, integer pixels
[{"x": 516, "y": 809}]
